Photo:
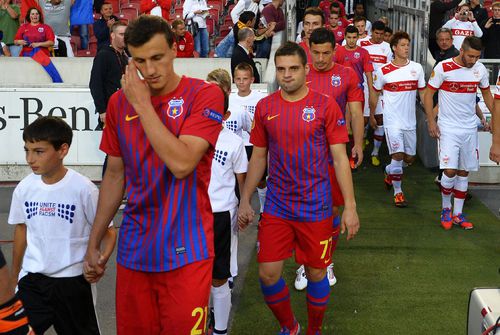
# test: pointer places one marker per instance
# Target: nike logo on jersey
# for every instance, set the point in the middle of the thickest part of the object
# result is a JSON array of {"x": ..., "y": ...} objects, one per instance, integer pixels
[
  {"x": 269, "y": 117},
  {"x": 130, "y": 118}
]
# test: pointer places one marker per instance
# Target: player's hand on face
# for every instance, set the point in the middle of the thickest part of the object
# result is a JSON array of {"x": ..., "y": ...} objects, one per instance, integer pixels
[
  {"x": 373, "y": 122},
  {"x": 245, "y": 215},
  {"x": 357, "y": 154},
  {"x": 136, "y": 90},
  {"x": 495, "y": 153},
  {"x": 350, "y": 222}
]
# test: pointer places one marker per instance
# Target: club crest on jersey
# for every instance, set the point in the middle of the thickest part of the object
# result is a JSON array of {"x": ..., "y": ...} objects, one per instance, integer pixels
[
  {"x": 454, "y": 87},
  {"x": 308, "y": 114},
  {"x": 357, "y": 55},
  {"x": 336, "y": 81},
  {"x": 341, "y": 122},
  {"x": 175, "y": 108}
]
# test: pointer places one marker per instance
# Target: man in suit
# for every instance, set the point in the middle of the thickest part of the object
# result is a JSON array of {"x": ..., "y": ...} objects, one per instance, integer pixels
[{"x": 242, "y": 52}]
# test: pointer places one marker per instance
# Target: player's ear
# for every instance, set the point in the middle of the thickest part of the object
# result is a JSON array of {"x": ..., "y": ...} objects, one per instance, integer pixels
[{"x": 63, "y": 150}]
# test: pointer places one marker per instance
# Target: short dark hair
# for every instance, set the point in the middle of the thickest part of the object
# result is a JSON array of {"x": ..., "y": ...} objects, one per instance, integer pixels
[
  {"x": 351, "y": 29},
  {"x": 49, "y": 128},
  {"x": 27, "y": 17},
  {"x": 315, "y": 11},
  {"x": 472, "y": 42},
  {"x": 388, "y": 30},
  {"x": 142, "y": 29},
  {"x": 321, "y": 36},
  {"x": 177, "y": 22},
  {"x": 244, "y": 67},
  {"x": 336, "y": 6},
  {"x": 358, "y": 18},
  {"x": 105, "y": 3},
  {"x": 398, "y": 36},
  {"x": 378, "y": 25},
  {"x": 246, "y": 16},
  {"x": 291, "y": 49}
]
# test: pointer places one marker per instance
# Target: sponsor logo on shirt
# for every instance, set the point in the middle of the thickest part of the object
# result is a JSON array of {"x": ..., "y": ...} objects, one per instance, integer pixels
[
  {"x": 462, "y": 32},
  {"x": 180, "y": 250},
  {"x": 175, "y": 108},
  {"x": 213, "y": 115},
  {"x": 130, "y": 118},
  {"x": 308, "y": 114},
  {"x": 249, "y": 109},
  {"x": 63, "y": 211},
  {"x": 336, "y": 81},
  {"x": 220, "y": 157}
]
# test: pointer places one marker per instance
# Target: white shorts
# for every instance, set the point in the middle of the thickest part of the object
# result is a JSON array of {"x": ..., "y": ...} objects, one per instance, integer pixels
[
  {"x": 458, "y": 151},
  {"x": 400, "y": 140},
  {"x": 366, "y": 109}
]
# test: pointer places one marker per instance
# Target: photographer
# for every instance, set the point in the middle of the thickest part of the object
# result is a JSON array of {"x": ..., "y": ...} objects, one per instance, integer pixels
[
  {"x": 462, "y": 25},
  {"x": 491, "y": 32}
]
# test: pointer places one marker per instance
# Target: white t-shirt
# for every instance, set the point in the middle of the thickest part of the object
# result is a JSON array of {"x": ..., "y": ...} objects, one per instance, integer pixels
[
  {"x": 58, "y": 218},
  {"x": 457, "y": 93},
  {"x": 460, "y": 30},
  {"x": 229, "y": 158},
  {"x": 242, "y": 111},
  {"x": 380, "y": 53},
  {"x": 400, "y": 84}
]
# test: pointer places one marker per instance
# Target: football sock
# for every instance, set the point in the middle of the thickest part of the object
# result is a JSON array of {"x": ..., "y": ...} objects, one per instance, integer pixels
[
  {"x": 262, "y": 197},
  {"x": 277, "y": 298},
  {"x": 378, "y": 137},
  {"x": 396, "y": 175},
  {"x": 447, "y": 185},
  {"x": 459, "y": 192},
  {"x": 221, "y": 297},
  {"x": 13, "y": 319},
  {"x": 317, "y": 297}
]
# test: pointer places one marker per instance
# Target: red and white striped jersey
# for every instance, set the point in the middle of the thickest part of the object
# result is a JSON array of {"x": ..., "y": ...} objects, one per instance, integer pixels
[
  {"x": 457, "y": 87},
  {"x": 400, "y": 84},
  {"x": 461, "y": 30},
  {"x": 380, "y": 53}
]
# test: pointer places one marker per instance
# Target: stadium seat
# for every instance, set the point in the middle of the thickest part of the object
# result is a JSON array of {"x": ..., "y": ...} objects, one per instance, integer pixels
[
  {"x": 210, "y": 26},
  {"x": 97, "y": 16},
  {"x": 134, "y": 5},
  {"x": 129, "y": 12},
  {"x": 85, "y": 53},
  {"x": 224, "y": 30},
  {"x": 116, "y": 5},
  {"x": 178, "y": 11},
  {"x": 174, "y": 16},
  {"x": 127, "y": 16},
  {"x": 214, "y": 12},
  {"x": 75, "y": 39}
]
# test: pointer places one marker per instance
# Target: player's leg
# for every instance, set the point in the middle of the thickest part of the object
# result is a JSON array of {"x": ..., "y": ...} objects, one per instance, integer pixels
[
  {"x": 314, "y": 249},
  {"x": 394, "y": 171},
  {"x": 220, "y": 291},
  {"x": 234, "y": 245},
  {"x": 73, "y": 305},
  {"x": 448, "y": 161},
  {"x": 13, "y": 320},
  {"x": 182, "y": 296},
  {"x": 262, "y": 186},
  {"x": 275, "y": 242},
  {"x": 366, "y": 115},
  {"x": 378, "y": 134}
]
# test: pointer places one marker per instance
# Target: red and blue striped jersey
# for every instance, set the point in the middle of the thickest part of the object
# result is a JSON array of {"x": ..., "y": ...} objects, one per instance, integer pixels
[
  {"x": 298, "y": 135},
  {"x": 167, "y": 222},
  {"x": 357, "y": 59},
  {"x": 339, "y": 82}
]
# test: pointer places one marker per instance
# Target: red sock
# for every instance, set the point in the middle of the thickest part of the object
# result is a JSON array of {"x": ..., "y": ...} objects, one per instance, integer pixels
[
  {"x": 318, "y": 294},
  {"x": 277, "y": 298}
]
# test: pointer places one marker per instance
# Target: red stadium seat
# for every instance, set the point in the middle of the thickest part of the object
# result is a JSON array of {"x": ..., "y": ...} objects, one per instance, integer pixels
[
  {"x": 178, "y": 11},
  {"x": 224, "y": 30},
  {"x": 116, "y": 5},
  {"x": 210, "y": 26},
  {"x": 76, "y": 40},
  {"x": 85, "y": 53},
  {"x": 214, "y": 12},
  {"x": 134, "y": 5},
  {"x": 97, "y": 16},
  {"x": 129, "y": 13}
]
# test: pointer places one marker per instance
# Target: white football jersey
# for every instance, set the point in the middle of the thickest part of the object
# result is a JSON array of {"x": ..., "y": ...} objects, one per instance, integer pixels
[
  {"x": 460, "y": 30},
  {"x": 380, "y": 53},
  {"x": 457, "y": 87},
  {"x": 399, "y": 84},
  {"x": 242, "y": 110}
]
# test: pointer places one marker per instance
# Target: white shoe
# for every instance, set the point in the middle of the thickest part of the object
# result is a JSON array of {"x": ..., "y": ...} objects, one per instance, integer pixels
[
  {"x": 332, "y": 280},
  {"x": 301, "y": 280}
]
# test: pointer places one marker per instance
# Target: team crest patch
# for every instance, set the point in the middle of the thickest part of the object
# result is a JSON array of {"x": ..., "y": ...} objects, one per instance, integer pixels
[
  {"x": 357, "y": 55},
  {"x": 336, "y": 81},
  {"x": 175, "y": 108},
  {"x": 40, "y": 30},
  {"x": 308, "y": 114},
  {"x": 341, "y": 122}
]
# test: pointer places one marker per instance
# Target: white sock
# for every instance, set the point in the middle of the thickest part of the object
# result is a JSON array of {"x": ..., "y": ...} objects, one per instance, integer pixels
[
  {"x": 396, "y": 172},
  {"x": 378, "y": 136},
  {"x": 447, "y": 185},
  {"x": 459, "y": 192},
  {"x": 222, "y": 306},
  {"x": 262, "y": 197}
]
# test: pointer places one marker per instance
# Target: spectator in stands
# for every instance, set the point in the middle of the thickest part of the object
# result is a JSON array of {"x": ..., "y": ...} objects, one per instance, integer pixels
[
  {"x": 4, "y": 49},
  {"x": 107, "y": 70},
  {"x": 185, "y": 41},
  {"x": 462, "y": 25},
  {"x": 360, "y": 23},
  {"x": 335, "y": 8},
  {"x": 244, "y": 6},
  {"x": 9, "y": 23},
  {"x": 359, "y": 10},
  {"x": 436, "y": 20},
  {"x": 273, "y": 14},
  {"x": 242, "y": 53},
  {"x": 444, "y": 38},
  {"x": 101, "y": 26},
  {"x": 333, "y": 26},
  {"x": 225, "y": 47},
  {"x": 491, "y": 34},
  {"x": 197, "y": 11},
  {"x": 480, "y": 14},
  {"x": 34, "y": 34},
  {"x": 56, "y": 15},
  {"x": 81, "y": 16},
  {"x": 325, "y": 7},
  {"x": 387, "y": 34}
]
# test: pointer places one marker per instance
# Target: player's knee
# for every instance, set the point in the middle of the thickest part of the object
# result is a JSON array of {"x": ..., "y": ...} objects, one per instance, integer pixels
[
  {"x": 268, "y": 277},
  {"x": 462, "y": 173},
  {"x": 379, "y": 119},
  {"x": 450, "y": 173},
  {"x": 409, "y": 159},
  {"x": 315, "y": 274}
]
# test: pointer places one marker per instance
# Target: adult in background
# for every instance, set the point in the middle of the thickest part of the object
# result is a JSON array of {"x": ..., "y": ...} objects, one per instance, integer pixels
[
  {"x": 185, "y": 41},
  {"x": 491, "y": 33},
  {"x": 243, "y": 53},
  {"x": 160, "y": 136},
  {"x": 9, "y": 23},
  {"x": 197, "y": 11},
  {"x": 436, "y": 20},
  {"x": 462, "y": 25},
  {"x": 101, "y": 26},
  {"x": 107, "y": 70},
  {"x": 480, "y": 14},
  {"x": 81, "y": 16},
  {"x": 34, "y": 34},
  {"x": 56, "y": 14},
  {"x": 273, "y": 14},
  {"x": 444, "y": 38}
]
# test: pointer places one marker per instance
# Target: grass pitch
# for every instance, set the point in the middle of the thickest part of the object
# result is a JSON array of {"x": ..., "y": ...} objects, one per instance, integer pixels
[{"x": 402, "y": 274}]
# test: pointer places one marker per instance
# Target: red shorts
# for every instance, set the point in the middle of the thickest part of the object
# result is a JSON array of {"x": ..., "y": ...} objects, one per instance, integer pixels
[
  {"x": 312, "y": 241},
  {"x": 163, "y": 303},
  {"x": 338, "y": 199}
]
